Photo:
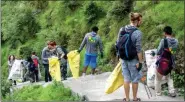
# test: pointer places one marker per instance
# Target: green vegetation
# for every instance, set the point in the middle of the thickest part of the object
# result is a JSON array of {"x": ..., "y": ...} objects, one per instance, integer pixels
[
  {"x": 27, "y": 25},
  {"x": 54, "y": 92}
]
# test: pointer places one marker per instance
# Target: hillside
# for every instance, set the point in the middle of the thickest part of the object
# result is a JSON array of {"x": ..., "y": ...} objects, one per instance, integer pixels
[{"x": 28, "y": 25}]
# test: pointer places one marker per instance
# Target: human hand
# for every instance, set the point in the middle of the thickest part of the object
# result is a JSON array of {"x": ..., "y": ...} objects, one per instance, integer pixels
[{"x": 139, "y": 66}]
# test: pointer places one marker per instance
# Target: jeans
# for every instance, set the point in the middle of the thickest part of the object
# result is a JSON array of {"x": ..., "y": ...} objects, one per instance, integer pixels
[{"x": 47, "y": 74}]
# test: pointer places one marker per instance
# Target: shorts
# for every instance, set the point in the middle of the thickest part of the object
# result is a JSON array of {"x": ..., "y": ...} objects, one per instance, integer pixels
[
  {"x": 129, "y": 71},
  {"x": 90, "y": 60}
]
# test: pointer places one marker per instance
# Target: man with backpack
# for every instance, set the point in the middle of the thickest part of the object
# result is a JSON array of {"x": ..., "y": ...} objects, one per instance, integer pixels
[
  {"x": 36, "y": 62},
  {"x": 165, "y": 62},
  {"x": 92, "y": 41},
  {"x": 49, "y": 51},
  {"x": 130, "y": 51}
]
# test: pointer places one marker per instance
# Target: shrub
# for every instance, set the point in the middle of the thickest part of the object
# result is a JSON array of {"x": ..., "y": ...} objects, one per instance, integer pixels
[
  {"x": 93, "y": 13},
  {"x": 54, "y": 91},
  {"x": 121, "y": 9},
  {"x": 25, "y": 51}
]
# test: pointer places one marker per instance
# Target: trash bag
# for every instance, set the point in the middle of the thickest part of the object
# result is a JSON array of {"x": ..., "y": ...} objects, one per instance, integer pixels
[
  {"x": 54, "y": 68},
  {"x": 151, "y": 68},
  {"x": 115, "y": 80},
  {"x": 74, "y": 62},
  {"x": 16, "y": 72}
]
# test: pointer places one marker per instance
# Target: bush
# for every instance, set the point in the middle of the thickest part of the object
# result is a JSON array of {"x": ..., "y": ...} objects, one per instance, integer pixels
[
  {"x": 121, "y": 9},
  {"x": 72, "y": 5},
  {"x": 55, "y": 92},
  {"x": 93, "y": 13},
  {"x": 23, "y": 25},
  {"x": 5, "y": 87},
  {"x": 178, "y": 79},
  {"x": 25, "y": 51}
]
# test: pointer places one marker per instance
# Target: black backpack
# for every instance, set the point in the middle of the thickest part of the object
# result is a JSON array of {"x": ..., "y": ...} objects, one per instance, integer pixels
[
  {"x": 125, "y": 47},
  {"x": 32, "y": 66}
]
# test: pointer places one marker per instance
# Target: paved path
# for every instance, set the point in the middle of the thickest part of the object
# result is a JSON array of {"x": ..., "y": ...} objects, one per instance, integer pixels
[{"x": 93, "y": 88}]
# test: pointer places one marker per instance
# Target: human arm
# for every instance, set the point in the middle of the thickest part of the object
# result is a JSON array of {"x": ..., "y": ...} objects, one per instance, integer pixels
[{"x": 83, "y": 44}]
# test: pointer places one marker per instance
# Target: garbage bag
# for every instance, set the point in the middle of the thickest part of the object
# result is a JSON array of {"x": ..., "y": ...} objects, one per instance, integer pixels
[
  {"x": 151, "y": 68},
  {"x": 54, "y": 68},
  {"x": 115, "y": 80},
  {"x": 74, "y": 62},
  {"x": 16, "y": 72}
]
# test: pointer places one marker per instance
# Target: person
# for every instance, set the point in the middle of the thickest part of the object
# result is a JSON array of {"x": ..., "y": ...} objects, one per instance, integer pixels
[
  {"x": 61, "y": 53},
  {"x": 36, "y": 62},
  {"x": 132, "y": 64},
  {"x": 92, "y": 41},
  {"x": 47, "y": 52},
  {"x": 11, "y": 60},
  {"x": 31, "y": 70},
  {"x": 172, "y": 43},
  {"x": 63, "y": 62},
  {"x": 25, "y": 69}
]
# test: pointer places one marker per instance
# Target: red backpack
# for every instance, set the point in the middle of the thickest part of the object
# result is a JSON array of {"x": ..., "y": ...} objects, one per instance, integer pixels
[
  {"x": 165, "y": 63},
  {"x": 36, "y": 62}
]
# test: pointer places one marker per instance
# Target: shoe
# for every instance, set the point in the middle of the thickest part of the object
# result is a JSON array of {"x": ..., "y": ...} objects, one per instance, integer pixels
[
  {"x": 158, "y": 94},
  {"x": 172, "y": 93},
  {"x": 64, "y": 78},
  {"x": 15, "y": 82}
]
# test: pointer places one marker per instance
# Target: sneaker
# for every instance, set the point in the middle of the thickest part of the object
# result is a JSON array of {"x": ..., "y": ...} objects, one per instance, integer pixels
[
  {"x": 172, "y": 94},
  {"x": 158, "y": 94}
]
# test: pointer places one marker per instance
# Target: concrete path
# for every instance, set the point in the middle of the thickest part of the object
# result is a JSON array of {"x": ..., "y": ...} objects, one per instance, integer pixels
[{"x": 93, "y": 88}]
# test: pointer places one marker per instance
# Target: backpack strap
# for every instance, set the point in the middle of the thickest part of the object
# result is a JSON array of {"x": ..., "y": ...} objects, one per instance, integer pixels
[{"x": 165, "y": 43}]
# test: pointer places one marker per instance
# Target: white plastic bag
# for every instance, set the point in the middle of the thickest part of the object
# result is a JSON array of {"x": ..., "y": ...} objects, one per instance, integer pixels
[
  {"x": 16, "y": 72},
  {"x": 151, "y": 66}
]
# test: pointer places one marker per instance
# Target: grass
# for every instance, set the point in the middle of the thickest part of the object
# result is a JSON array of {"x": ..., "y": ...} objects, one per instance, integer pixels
[
  {"x": 54, "y": 92},
  {"x": 74, "y": 24}
]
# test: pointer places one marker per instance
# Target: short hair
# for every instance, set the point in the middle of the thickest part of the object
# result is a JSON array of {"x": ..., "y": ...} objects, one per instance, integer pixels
[
  {"x": 135, "y": 16},
  {"x": 168, "y": 30},
  {"x": 52, "y": 43},
  {"x": 29, "y": 59},
  {"x": 95, "y": 29},
  {"x": 33, "y": 53}
]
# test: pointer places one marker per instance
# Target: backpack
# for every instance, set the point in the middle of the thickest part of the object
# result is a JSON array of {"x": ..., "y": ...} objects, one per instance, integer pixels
[
  {"x": 64, "y": 50},
  {"x": 32, "y": 66},
  {"x": 165, "y": 63},
  {"x": 36, "y": 62},
  {"x": 125, "y": 47}
]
